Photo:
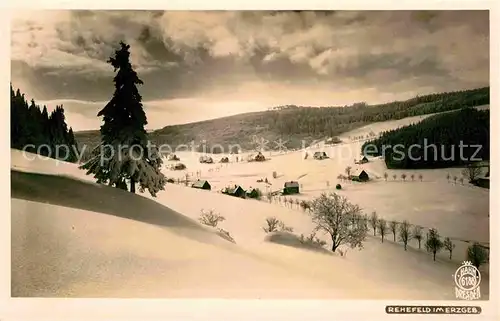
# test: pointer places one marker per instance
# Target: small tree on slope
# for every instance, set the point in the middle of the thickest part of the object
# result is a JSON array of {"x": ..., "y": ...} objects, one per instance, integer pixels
[
  {"x": 417, "y": 235},
  {"x": 393, "y": 225},
  {"x": 477, "y": 254},
  {"x": 404, "y": 233},
  {"x": 382, "y": 228},
  {"x": 433, "y": 243},
  {"x": 342, "y": 220},
  {"x": 449, "y": 246},
  {"x": 373, "y": 222},
  {"x": 471, "y": 172},
  {"x": 125, "y": 153}
]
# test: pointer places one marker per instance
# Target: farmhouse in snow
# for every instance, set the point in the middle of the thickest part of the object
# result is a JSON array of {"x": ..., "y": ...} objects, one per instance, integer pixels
[
  {"x": 201, "y": 184},
  {"x": 259, "y": 157},
  {"x": 173, "y": 157},
  {"x": 291, "y": 188},
  {"x": 363, "y": 160},
  {"x": 178, "y": 167},
  {"x": 236, "y": 191},
  {"x": 320, "y": 155},
  {"x": 360, "y": 176},
  {"x": 206, "y": 159},
  {"x": 483, "y": 181},
  {"x": 252, "y": 193}
]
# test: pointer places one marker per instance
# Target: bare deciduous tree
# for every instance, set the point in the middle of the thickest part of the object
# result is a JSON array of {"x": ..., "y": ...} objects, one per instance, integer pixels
[
  {"x": 334, "y": 215},
  {"x": 365, "y": 220},
  {"x": 393, "y": 226},
  {"x": 448, "y": 176},
  {"x": 272, "y": 225},
  {"x": 305, "y": 205},
  {"x": 455, "y": 179},
  {"x": 394, "y": 176},
  {"x": 403, "y": 176},
  {"x": 421, "y": 177},
  {"x": 373, "y": 222},
  {"x": 404, "y": 233},
  {"x": 433, "y": 243},
  {"x": 382, "y": 228},
  {"x": 417, "y": 235},
  {"x": 412, "y": 176},
  {"x": 348, "y": 171},
  {"x": 477, "y": 254},
  {"x": 283, "y": 227},
  {"x": 210, "y": 218},
  {"x": 385, "y": 176},
  {"x": 472, "y": 172},
  {"x": 448, "y": 245}
]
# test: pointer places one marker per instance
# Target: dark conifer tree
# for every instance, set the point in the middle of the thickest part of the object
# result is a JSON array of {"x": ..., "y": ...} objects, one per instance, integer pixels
[
  {"x": 124, "y": 154},
  {"x": 32, "y": 127}
]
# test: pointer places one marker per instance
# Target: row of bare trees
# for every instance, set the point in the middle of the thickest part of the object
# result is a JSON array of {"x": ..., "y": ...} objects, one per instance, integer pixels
[
  {"x": 470, "y": 173},
  {"x": 404, "y": 232},
  {"x": 403, "y": 177},
  {"x": 288, "y": 201},
  {"x": 346, "y": 225}
]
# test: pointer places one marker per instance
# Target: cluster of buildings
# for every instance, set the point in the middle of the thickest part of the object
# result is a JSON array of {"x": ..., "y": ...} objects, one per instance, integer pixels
[{"x": 289, "y": 188}]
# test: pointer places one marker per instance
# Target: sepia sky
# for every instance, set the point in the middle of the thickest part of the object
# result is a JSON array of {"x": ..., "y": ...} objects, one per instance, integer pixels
[{"x": 201, "y": 65}]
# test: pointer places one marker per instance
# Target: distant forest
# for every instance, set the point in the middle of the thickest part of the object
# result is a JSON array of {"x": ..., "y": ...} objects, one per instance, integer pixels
[
  {"x": 296, "y": 125},
  {"x": 446, "y": 131},
  {"x": 326, "y": 121},
  {"x": 34, "y": 130}
]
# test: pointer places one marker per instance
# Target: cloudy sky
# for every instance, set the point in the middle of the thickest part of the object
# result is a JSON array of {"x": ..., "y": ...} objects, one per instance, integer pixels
[{"x": 200, "y": 65}]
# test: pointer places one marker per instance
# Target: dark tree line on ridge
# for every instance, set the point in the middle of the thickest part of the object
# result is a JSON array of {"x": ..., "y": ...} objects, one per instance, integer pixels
[
  {"x": 35, "y": 130},
  {"x": 327, "y": 121},
  {"x": 447, "y": 131}
]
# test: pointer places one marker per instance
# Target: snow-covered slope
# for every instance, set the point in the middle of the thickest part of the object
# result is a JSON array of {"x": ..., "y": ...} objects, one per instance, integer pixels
[{"x": 71, "y": 237}]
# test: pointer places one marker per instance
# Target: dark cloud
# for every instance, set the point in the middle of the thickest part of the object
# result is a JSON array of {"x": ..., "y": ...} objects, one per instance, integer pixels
[{"x": 180, "y": 54}]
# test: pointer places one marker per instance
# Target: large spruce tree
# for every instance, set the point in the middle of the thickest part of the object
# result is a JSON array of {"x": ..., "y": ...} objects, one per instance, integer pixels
[{"x": 124, "y": 154}]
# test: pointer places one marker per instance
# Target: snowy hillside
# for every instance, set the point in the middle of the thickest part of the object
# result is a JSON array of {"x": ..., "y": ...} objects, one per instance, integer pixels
[{"x": 74, "y": 238}]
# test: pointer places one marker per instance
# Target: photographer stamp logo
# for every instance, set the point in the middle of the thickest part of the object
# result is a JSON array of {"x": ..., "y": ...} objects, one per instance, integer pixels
[{"x": 467, "y": 279}]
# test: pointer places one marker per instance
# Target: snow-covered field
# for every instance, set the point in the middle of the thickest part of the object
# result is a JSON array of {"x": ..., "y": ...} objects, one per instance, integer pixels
[{"x": 73, "y": 238}]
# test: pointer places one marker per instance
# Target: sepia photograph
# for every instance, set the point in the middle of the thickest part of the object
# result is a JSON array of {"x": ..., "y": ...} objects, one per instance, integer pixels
[{"x": 286, "y": 154}]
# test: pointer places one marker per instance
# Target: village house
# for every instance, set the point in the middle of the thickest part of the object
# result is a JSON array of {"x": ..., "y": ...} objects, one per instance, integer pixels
[
  {"x": 359, "y": 176},
  {"x": 236, "y": 191},
  {"x": 202, "y": 184},
  {"x": 291, "y": 188},
  {"x": 483, "y": 181},
  {"x": 178, "y": 167},
  {"x": 206, "y": 159},
  {"x": 320, "y": 155},
  {"x": 173, "y": 157},
  {"x": 253, "y": 193},
  {"x": 363, "y": 160},
  {"x": 259, "y": 157}
]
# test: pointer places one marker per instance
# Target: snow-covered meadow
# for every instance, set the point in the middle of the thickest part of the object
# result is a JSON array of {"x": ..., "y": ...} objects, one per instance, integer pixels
[{"x": 71, "y": 237}]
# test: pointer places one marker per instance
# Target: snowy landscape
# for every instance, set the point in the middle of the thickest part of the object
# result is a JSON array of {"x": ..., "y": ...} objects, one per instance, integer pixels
[
  {"x": 72, "y": 237},
  {"x": 319, "y": 221}
]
